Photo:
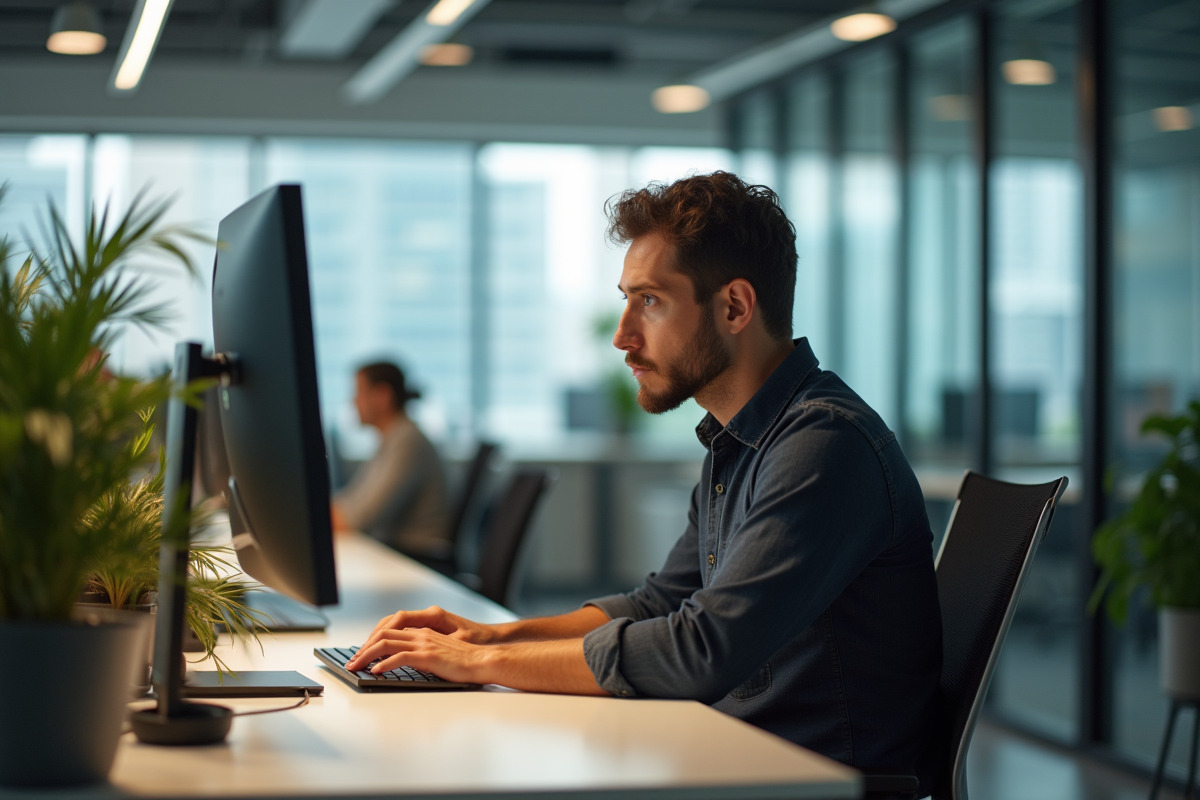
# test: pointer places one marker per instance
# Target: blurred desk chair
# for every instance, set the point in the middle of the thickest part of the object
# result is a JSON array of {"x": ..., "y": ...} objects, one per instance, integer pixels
[
  {"x": 505, "y": 530},
  {"x": 468, "y": 492},
  {"x": 983, "y": 562}
]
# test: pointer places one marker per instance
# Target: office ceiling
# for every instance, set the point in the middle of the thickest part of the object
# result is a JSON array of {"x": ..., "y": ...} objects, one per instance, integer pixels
[
  {"x": 665, "y": 37},
  {"x": 543, "y": 70}
]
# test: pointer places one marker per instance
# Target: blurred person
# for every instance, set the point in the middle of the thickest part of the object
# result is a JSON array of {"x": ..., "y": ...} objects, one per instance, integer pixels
[{"x": 399, "y": 495}]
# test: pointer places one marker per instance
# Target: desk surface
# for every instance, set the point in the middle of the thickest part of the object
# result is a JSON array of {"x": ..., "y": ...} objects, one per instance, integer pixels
[{"x": 490, "y": 743}]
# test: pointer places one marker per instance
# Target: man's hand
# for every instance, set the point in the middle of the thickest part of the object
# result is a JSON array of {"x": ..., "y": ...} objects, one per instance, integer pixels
[
  {"x": 435, "y": 619},
  {"x": 457, "y": 649},
  {"x": 450, "y": 658}
]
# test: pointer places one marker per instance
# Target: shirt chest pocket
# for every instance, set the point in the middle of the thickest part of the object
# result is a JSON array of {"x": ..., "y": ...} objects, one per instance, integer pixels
[{"x": 758, "y": 685}]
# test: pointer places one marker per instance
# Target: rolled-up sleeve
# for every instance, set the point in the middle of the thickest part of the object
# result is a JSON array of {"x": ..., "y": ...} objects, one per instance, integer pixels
[{"x": 601, "y": 650}]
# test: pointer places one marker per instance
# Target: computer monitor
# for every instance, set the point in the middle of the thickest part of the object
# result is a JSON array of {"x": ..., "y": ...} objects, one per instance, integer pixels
[
  {"x": 270, "y": 415},
  {"x": 278, "y": 495}
]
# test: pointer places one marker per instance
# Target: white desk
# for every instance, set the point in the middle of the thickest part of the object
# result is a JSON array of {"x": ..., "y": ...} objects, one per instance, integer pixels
[{"x": 491, "y": 743}]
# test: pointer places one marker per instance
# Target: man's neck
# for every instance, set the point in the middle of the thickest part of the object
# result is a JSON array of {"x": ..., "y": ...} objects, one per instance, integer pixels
[{"x": 729, "y": 393}]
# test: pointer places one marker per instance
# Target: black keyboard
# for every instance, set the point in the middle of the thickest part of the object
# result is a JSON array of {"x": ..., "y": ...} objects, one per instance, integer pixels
[{"x": 401, "y": 678}]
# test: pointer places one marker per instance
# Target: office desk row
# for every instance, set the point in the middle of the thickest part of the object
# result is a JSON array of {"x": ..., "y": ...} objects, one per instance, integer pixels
[{"x": 480, "y": 744}]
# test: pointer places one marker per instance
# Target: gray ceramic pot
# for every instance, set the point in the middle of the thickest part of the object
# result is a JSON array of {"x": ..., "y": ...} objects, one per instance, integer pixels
[{"x": 63, "y": 690}]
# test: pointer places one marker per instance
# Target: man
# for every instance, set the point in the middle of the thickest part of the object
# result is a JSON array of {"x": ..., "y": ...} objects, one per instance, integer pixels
[
  {"x": 399, "y": 496},
  {"x": 801, "y": 597}
]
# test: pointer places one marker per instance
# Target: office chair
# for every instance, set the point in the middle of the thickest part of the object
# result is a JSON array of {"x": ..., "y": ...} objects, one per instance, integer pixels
[
  {"x": 982, "y": 564},
  {"x": 506, "y": 527},
  {"x": 464, "y": 499}
]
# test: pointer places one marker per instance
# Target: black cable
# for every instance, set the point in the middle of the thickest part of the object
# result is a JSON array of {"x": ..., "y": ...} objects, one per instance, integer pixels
[{"x": 298, "y": 704}]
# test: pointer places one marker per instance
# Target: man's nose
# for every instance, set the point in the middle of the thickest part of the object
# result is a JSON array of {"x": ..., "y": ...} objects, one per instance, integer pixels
[{"x": 624, "y": 338}]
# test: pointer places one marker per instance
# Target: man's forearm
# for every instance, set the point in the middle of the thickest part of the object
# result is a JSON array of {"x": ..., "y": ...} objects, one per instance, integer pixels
[
  {"x": 573, "y": 625},
  {"x": 546, "y": 666}
]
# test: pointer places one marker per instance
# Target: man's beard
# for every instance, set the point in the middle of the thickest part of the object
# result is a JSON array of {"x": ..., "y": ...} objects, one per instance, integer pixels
[{"x": 701, "y": 362}]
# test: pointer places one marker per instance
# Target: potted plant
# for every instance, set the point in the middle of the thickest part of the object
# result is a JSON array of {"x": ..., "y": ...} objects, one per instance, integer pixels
[
  {"x": 1154, "y": 545},
  {"x": 73, "y": 439},
  {"x": 127, "y": 576}
]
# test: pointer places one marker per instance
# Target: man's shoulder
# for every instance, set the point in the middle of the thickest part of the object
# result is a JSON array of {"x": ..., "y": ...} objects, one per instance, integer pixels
[{"x": 827, "y": 402}]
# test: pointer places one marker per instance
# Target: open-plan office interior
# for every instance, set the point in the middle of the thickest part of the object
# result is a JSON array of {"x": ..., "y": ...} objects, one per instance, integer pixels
[{"x": 997, "y": 207}]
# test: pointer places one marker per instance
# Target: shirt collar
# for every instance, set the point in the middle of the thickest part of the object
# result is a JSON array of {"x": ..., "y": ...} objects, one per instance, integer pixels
[{"x": 756, "y": 418}]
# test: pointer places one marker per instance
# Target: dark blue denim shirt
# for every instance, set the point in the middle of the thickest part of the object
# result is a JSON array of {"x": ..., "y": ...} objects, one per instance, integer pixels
[{"x": 801, "y": 597}]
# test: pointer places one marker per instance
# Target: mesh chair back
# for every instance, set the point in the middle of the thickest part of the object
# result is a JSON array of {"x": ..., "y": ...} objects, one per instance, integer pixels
[
  {"x": 506, "y": 528},
  {"x": 983, "y": 562}
]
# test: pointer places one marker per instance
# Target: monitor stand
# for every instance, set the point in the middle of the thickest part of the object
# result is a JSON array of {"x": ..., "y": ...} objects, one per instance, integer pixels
[{"x": 174, "y": 721}]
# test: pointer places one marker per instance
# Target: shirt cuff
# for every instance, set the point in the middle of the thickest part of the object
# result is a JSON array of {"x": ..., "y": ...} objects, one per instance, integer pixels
[
  {"x": 615, "y": 606},
  {"x": 602, "y": 652}
]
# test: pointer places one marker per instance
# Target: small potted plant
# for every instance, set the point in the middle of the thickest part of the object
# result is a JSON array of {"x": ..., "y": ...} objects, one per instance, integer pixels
[
  {"x": 127, "y": 576},
  {"x": 1154, "y": 545},
  {"x": 73, "y": 440}
]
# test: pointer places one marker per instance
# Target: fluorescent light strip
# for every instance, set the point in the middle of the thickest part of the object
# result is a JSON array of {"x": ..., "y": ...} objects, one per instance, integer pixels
[
  {"x": 150, "y": 16},
  {"x": 402, "y": 55},
  {"x": 447, "y": 11}
]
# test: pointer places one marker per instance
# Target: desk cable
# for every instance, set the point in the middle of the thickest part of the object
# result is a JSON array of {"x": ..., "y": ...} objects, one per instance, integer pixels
[{"x": 298, "y": 704}]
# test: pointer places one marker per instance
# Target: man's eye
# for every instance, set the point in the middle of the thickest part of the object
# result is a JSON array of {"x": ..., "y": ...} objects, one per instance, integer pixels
[{"x": 648, "y": 300}]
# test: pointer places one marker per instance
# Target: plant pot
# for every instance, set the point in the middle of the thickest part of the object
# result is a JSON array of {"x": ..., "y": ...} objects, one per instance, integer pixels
[
  {"x": 95, "y": 612},
  {"x": 63, "y": 690},
  {"x": 1179, "y": 650}
]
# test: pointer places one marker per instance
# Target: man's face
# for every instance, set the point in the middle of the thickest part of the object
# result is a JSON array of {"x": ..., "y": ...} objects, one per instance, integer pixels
[{"x": 670, "y": 341}]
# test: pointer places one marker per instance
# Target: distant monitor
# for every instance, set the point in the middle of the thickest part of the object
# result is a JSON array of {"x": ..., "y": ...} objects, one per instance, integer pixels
[{"x": 269, "y": 413}]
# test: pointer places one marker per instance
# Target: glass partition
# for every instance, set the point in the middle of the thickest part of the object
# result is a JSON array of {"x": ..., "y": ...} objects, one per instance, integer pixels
[
  {"x": 1036, "y": 306},
  {"x": 807, "y": 193},
  {"x": 943, "y": 255},
  {"x": 389, "y": 237},
  {"x": 870, "y": 208},
  {"x": 1156, "y": 313}
]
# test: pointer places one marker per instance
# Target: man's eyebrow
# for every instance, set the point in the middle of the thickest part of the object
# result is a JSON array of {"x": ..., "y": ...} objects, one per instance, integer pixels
[{"x": 640, "y": 287}]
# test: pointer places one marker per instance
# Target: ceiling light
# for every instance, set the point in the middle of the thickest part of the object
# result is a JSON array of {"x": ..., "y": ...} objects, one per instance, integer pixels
[
  {"x": 862, "y": 26},
  {"x": 402, "y": 54},
  {"x": 141, "y": 37},
  {"x": 679, "y": 99},
  {"x": 76, "y": 31},
  {"x": 446, "y": 12},
  {"x": 446, "y": 55},
  {"x": 1028, "y": 72},
  {"x": 1173, "y": 118}
]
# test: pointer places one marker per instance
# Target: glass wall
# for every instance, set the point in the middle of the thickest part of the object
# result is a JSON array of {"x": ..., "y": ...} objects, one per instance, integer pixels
[
  {"x": 202, "y": 180},
  {"x": 483, "y": 270},
  {"x": 1035, "y": 304},
  {"x": 38, "y": 170},
  {"x": 807, "y": 193},
  {"x": 943, "y": 251},
  {"x": 389, "y": 237},
  {"x": 1156, "y": 291},
  {"x": 756, "y": 128},
  {"x": 869, "y": 210}
]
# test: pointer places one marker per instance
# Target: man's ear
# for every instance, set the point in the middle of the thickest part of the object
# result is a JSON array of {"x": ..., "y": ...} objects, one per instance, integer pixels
[{"x": 737, "y": 302}]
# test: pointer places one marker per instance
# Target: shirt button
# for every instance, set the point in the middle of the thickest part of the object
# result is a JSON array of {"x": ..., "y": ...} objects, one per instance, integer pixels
[
  {"x": 720, "y": 488},
  {"x": 711, "y": 559}
]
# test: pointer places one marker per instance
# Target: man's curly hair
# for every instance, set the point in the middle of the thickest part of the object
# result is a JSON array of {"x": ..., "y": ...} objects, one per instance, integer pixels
[{"x": 721, "y": 228}]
